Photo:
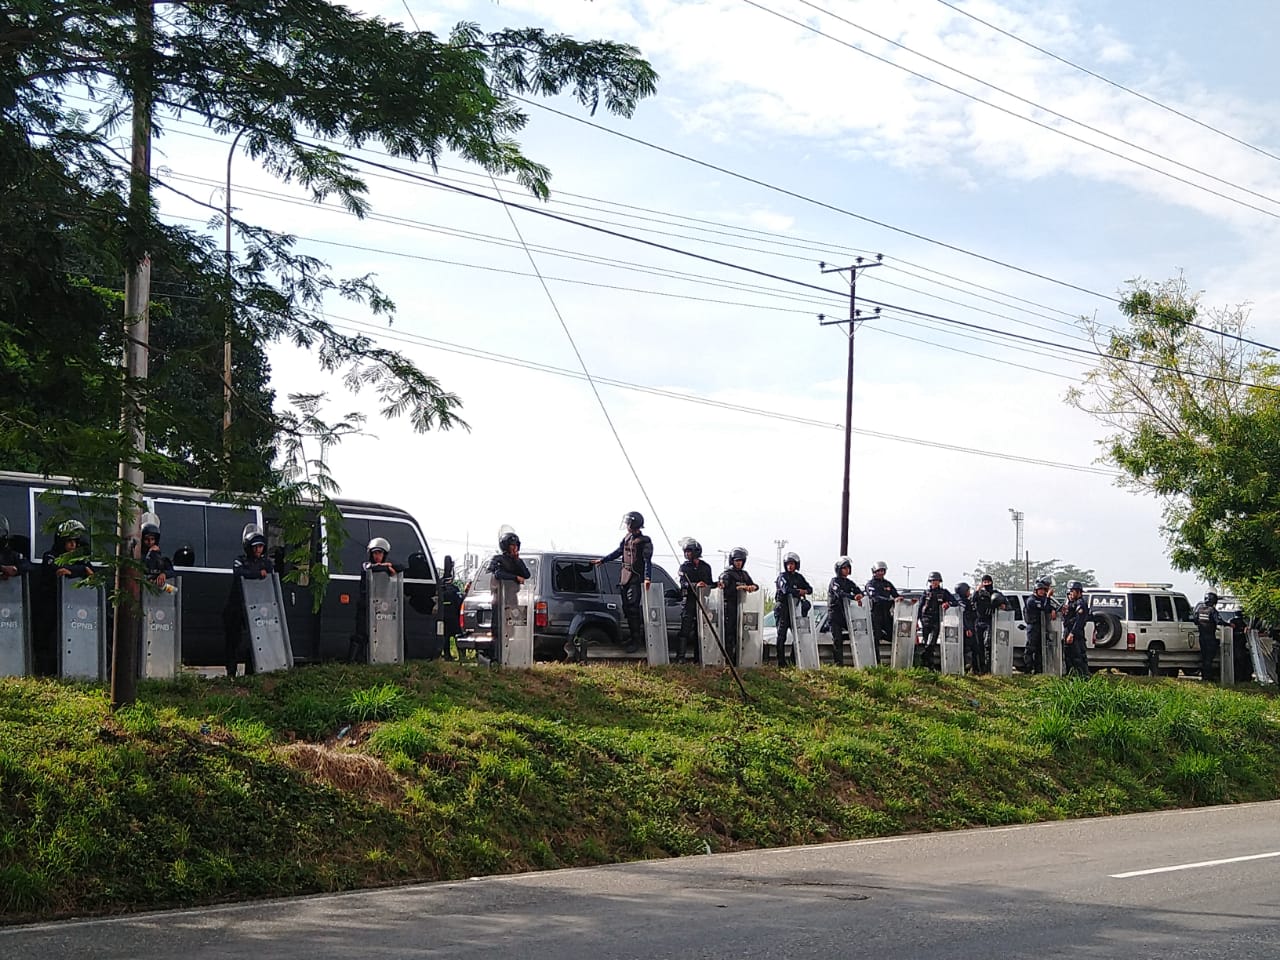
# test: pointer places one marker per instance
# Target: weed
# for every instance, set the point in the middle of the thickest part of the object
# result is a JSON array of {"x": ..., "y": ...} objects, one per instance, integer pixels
[
  {"x": 382, "y": 702},
  {"x": 1199, "y": 777}
]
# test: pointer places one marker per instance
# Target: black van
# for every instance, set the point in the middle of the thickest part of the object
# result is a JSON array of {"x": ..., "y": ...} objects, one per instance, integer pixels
[{"x": 192, "y": 520}]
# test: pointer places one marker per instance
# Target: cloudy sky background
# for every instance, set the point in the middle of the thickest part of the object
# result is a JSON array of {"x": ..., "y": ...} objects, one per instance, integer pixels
[{"x": 747, "y": 90}]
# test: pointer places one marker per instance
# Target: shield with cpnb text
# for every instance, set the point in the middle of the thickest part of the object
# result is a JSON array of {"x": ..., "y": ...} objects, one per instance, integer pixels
[
  {"x": 858, "y": 617},
  {"x": 804, "y": 636},
  {"x": 386, "y": 616},
  {"x": 903, "y": 653},
  {"x": 953, "y": 640},
  {"x": 1003, "y": 626},
  {"x": 751, "y": 629},
  {"x": 161, "y": 655},
  {"x": 517, "y": 627},
  {"x": 710, "y": 627},
  {"x": 655, "y": 624},
  {"x": 15, "y": 628},
  {"x": 82, "y": 631},
  {"x": 268, "y": 629}
]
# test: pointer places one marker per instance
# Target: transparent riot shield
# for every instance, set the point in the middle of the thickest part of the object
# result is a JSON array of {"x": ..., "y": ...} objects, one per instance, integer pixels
[
  {"x": 15, "y": 628},
  {"x": 710, "y": 626},
  {"x": 858, "y": 617},
  {"x": 1226, "y": 657},
  {"x": 161, "y": 655},
  {"x": 517, "y": 627},
  {"x": 1263, "y": 653},
  {"x": 804, "y": 637},
  {"x": 751, "y": 629},
  {"x": 1051, "y": 645},
  {"x": 385, "y": 617},
  {"x": 82, "y": 631},
  {"x": 655, "y": 625},
  {"x": 903, "y": 654},
  {"x": 1002, "y": 634},
  {"x": 953, "y": 640},
  {"x": 268, "y": 629}
]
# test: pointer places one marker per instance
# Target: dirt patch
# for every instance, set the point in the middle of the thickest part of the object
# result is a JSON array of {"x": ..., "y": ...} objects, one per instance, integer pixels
[{"x": 346, "y": 771}]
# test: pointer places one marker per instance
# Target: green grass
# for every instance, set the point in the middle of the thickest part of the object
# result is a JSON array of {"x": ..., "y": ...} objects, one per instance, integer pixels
[{"x": 335, "y": 777}]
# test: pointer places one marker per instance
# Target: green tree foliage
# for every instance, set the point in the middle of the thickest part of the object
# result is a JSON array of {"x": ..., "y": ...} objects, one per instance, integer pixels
[
  {"x": 1198, "y": 425},
  {"x": 1012, "y": 574}
]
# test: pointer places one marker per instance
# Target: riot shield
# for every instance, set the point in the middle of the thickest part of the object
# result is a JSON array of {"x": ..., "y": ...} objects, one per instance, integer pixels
[
  {"x": 517, "y": 628},
  {"x": 1002, "y": 634},
  {"x": 903, "y": 654},
  {"x": 161, "y": 656},
  {"x": 1263, "y": 653},
  {"x": 953, "y": 640},
  {"x": 655, "y": 625},
  {"x": 858, "y": 617},
  {"x": 710, "y": 626},
  {"x": 268, "y": 630},
  {"x": 751, "y": 629},
  {"x": 1051, "y": 645},
  {"x": 15, "y": 628},
  {"x": 385, "y": 615},
  {"x": 804, "y": 637},
  {"x": 82, "y": 631},
  {"x": 1226, "y": 657}
]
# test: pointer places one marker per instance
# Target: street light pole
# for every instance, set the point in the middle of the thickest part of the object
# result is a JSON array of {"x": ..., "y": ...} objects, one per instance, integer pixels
[
  {"x": 853, "y": 269},
  {"x": 908, "y": 567}
]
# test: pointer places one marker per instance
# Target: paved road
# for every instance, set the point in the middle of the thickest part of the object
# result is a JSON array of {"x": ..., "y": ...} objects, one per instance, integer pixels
[{"x": 1090, "y": 888}]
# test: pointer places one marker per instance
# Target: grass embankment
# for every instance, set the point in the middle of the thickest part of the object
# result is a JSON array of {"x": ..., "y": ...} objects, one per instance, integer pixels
[{"x": 218, "y": 790}]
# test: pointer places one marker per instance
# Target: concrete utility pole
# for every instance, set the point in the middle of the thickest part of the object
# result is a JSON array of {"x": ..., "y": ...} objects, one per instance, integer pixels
[
  {"x": 226, "y": 329},
  {"x": 853, "y": 270},
  {"x": 779, "y": 544},
  {"x": 137, "y": 294}
]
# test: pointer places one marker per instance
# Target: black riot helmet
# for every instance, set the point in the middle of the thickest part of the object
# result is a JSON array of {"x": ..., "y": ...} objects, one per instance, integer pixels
[
  {"x": 633, "y": 520},
  {"x": 935, "y": 575},
  {"x": 841, "y": 564},
  {"x": 690, "y": 545},
  {"x": 962, "y": 590},
  {"x": 791, "y": 557},
  {"x": 738, "y": 553},
  {"x": 150, "y": 526},
  {"x": 507, "y": 538},
  {"x": 1044, "y": 583},
  {"x": 1211, "y": 598},
  {"x": 987, "y": 578},
  {"x": 1076, "y": 585}
]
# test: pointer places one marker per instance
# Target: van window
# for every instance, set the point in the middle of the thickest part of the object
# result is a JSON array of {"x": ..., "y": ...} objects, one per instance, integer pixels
[
  {"x": 1015, "y": 604},
  {"x": 355, "y": 540},
  {"x": 224, "y": 528},
  {"x": 1139, "y": 606},
  {"x": 1183, "y": 608},
  {"x": 1164, "y": 609},
  {"x": 404, "y": 544},
  {"x": 574, "y": 576},
  {"x": 182, "y": 525}
]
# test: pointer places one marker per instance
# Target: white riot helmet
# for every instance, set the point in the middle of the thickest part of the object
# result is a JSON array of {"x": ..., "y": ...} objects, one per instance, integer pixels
[
  {"x": 378, "y": 543},
  {"x": 879, "y": 567},
  {"x": 791, "y": 557}
]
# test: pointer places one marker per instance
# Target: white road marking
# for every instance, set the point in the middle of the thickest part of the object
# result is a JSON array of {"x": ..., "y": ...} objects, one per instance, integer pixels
[{"x": 1194, "y": 866}]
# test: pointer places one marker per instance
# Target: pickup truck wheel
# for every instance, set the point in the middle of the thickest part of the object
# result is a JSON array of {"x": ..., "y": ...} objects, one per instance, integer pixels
[
  {"x": 587, "y": 636},
  {"x": 1107, "y": 630}
]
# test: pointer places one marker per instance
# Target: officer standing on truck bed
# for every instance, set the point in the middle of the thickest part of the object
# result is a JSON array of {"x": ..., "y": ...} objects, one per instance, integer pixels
[
  {"x": 636, "y": 551},
  {"x": 508, "y": 572}
]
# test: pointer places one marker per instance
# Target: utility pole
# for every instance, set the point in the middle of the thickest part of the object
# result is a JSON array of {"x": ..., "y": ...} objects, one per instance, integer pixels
[
  {"x": 1018, "y": 518},
  {"x": 137, "y": 295},
  {"x": 229, "y": 307},
  {"x": 908, "y": 567},
  {"x": 779, "y": 544},
  {"x": 853, "y": 270}
]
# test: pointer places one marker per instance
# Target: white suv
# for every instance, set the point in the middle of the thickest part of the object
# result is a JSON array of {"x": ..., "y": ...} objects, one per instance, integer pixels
[{"x": 1142, "y": 628}]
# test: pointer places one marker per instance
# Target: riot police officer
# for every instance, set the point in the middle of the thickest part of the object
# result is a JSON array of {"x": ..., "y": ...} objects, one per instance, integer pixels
[
  {"x": 636, "y": 551},
  {"x": 253, "y": 564},
  {"x": 377, "y": 562},
  {"x": 986, "y": 601},
  {"x": 159, "y": 568},
  {"x": 1075, "y": 615},
  {"x": 67, "y": 556},
  {"x": 1208, "y": 620},
  {"x": 840, "y": 589},
  {"x": 1240, "y": 647},
  {"x": 882, "y": 594},
  {"x": 964, "y": 594},
  {"x": 694, "y": 573},
  {"x": 790, "y": 585},
  {"x": 733, "y": 581},
  {"x": 450, "y": 605},
  {"x": 935, "y": 599},
  {"x": 1039, "y": 609},
  {"x": 508, "y": 572},
  {"x": 13, "y": 562}
]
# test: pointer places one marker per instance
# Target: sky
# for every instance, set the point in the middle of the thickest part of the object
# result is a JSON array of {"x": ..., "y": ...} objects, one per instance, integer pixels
[{"x": 736, "y": 435}]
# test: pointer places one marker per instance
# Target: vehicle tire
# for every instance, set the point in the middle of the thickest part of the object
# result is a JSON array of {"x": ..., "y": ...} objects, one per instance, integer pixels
[
  {"x": 1153, "y": 660},
  {"x": 1107, "y": 630},
  {"x": 587, "y": 636}
]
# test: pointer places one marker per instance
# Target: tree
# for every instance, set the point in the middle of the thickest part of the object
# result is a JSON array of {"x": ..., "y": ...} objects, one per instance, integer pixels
[
  {"x": 1012, "y": 574},
  {"x": 285, "y": 76},
  {"x": 1194, "y": 409}
]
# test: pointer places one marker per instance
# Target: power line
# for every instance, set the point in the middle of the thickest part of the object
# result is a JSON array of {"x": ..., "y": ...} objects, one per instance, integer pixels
[
  {"x": 1119, "y": 86},
  {"x": 1014, "y": 113}
]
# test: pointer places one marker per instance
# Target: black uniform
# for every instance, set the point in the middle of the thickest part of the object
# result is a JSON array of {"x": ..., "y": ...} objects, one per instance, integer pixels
[
  {"x": 839, "y": 590},
  {"x": 450, "y": 605},
  {"x": 157, "y": 563},
  {"x": 986, "y": 601},
  {"x": 969, "y": 618},
  {"x": 882, "y": 594},
  {"x": 636, "y": 551},
  {"x": 730, "y": 580},
  {"x": 505, "y": 569},
  {"x": 931, "y": 602},
  {"x": 789, "y": 585},
  {"x": 1240, "y": 648},
  {"x": 246, "y": 567},
  {"x": 44, "y": 600},
  {"x": 692, "y": 573},
  {"x": 1208, "y": 620},
  {"x": 1035, "y": 610},
  {"x": 1075, "y": 614}
]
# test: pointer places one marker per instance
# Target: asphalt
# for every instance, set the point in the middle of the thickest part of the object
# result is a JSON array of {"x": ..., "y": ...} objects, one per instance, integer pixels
[{"x": 1043, "y": 891}]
